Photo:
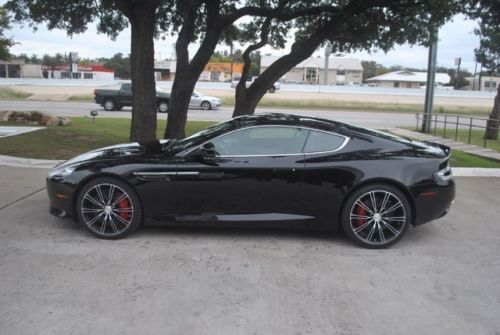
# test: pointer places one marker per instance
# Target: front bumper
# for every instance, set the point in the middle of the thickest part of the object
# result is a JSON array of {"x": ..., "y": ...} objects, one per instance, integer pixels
[{"x": 60, "y": 198}]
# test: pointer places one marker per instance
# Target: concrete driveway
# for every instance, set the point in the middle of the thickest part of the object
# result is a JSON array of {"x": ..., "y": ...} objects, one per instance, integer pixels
[{"x": 442, "y": 278}]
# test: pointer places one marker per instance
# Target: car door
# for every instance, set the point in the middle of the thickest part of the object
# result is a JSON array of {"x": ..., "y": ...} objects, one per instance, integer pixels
[
  {"x": 256, "y": 174},
  {"x": 125, "y": 98},
  {"x": 195, "y": 100}
]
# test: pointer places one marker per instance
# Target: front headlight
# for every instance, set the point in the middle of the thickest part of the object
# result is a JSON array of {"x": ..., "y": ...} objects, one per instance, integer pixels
[{"x": 59, "y": 172}]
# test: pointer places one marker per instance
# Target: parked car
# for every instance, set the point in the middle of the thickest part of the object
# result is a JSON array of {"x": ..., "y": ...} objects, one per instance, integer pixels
[
  {"x": 266, "y": 168},
  {"x": 272, "y": 89},
  {"x": 198, "y": 100},
  {"x": 116, "y": 99}
]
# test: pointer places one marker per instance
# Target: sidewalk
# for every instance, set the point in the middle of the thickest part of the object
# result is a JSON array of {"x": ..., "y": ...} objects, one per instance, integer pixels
[{"x": 468, "y": 148}]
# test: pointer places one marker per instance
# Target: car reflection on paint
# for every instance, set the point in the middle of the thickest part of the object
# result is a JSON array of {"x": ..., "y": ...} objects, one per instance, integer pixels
[{"x": 262, "y": 169}]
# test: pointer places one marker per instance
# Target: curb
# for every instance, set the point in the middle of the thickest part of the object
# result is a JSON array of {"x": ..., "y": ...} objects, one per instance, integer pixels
[{"x": 27, "y": 162}]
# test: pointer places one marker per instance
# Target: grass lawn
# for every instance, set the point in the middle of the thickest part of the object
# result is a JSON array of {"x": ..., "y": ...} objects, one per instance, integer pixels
[
  {"x": 7, "y": 93},
  {"x": 463, "y": 136},
  {"x": 463, "y": 159},
  {"x": 82, "y": 135}
]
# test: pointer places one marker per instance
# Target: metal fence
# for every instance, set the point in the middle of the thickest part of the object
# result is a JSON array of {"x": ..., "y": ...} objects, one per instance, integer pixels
[{"x": 451, "y": 124}]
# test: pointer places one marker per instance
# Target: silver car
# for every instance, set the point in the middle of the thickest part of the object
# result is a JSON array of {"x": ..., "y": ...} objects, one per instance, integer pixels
[{"x": 198, "y": 100}]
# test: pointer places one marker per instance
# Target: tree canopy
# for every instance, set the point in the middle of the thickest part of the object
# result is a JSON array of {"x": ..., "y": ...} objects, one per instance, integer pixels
[
  {"x": 5, "y": 42},
  {"x": 347, "y": 25}
]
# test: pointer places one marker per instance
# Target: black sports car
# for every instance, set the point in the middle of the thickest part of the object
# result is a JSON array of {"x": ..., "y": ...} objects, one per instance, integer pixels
[{"x": 265, "y": 168}]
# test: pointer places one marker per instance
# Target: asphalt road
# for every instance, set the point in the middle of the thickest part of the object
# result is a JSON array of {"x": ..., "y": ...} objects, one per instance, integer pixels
[
  {"x": 55, "y": 278},
  {"x": 367, "y": 119}
]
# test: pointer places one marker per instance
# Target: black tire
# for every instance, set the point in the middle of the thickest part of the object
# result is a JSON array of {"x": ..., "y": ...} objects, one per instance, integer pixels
[
  {"x": 206, "y": 105},
  {"x": 109, "y": 104},
  {"x": 162, "y": 106},
  {"x": 272, "y": 89},
  {"x": 376, "y": 216},
  {"x": 108, "y": 208}
]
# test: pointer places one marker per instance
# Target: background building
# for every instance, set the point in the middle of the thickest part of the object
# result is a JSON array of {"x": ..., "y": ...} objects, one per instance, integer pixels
[
  {"x": 17, "y": 68},
  {"x": 341, "y": 70},
  {"x": 488, "y": 83},
  {"x": 406, "y": 79},
  {"x": 97, "y": 72}
]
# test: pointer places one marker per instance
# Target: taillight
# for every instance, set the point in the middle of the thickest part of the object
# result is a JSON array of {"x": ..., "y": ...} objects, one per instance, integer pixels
[{"x": 443, "y": 176}]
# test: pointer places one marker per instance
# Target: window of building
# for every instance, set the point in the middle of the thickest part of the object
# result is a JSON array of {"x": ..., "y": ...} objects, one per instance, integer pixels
[
  {"x": 341, "y": 71},
  {"x": 88, "y": 76},
  {"x": 76, "y": 75},
  {"x": 396, "y": 84},
  {"x": 311, "y": 74}
]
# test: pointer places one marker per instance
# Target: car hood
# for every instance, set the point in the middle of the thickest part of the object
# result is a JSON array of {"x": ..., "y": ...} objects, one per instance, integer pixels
[{"x": 117, "y": 152}]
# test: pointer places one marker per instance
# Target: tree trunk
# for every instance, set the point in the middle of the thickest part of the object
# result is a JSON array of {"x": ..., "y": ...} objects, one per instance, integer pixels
[
  {"x": 247, "y": 100},
  {"x": 493, "y": 123},
  {"x": 142, "y": 21},
  {"x": 186, "y": 76}
]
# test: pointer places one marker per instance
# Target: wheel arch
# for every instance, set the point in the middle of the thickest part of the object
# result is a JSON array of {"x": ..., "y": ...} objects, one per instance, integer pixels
[
  {"x": 88, "y": 179},
  {"x": 391, "y": 182}
]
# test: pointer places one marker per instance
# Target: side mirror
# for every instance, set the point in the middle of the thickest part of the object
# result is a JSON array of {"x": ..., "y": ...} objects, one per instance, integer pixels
[{"x": 206, "y": 153}]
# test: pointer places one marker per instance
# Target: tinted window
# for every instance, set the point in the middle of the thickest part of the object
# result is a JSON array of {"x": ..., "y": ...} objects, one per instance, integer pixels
[
  {"x": 319, "y": 141},
  {"x": 262, "y": 141}
]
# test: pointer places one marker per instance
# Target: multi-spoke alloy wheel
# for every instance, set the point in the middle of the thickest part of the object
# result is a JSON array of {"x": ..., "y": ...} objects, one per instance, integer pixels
[
  {"x": 108, "y": 208},
  {"x": 376, "y": 216}
]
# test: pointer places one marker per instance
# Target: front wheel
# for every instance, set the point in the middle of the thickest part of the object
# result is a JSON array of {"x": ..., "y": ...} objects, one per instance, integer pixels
[
  {"x": 109, "y": 208},
  {"x": 376, "y": 216},
  {"x": 163, "y": 106},
  {"x": 205, "y": 105}
]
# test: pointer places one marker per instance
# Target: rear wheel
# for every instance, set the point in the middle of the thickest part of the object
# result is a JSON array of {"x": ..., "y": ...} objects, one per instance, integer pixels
[
  {"x": 109, "y": 208},
  {"x": 205, "y": 105},
  {"x": 109, "y": 104},
  {"x": 376, "y": 216}
]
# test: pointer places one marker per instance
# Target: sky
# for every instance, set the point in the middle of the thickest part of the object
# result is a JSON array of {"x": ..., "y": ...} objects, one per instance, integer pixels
[{"x": 456, "y": 39}]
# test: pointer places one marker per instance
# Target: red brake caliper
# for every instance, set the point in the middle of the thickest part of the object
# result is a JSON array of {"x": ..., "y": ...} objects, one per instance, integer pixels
[
  {"x": 361, "y": 212},
  {"x": 124, "y": 204}
]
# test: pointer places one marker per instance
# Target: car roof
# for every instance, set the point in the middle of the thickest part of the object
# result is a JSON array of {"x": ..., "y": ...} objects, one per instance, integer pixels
[
  {"x": 290, "y": 120},
  {"x": 341, "y": 128}
]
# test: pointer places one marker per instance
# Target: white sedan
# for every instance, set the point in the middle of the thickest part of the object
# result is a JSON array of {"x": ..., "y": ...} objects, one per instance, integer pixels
[{"x": 198, "y": 100}]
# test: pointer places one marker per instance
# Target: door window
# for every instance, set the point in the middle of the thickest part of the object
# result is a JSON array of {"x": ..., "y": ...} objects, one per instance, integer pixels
[
  {"x": 319, "y": 141},
  {"x": 263, "y": 141}
]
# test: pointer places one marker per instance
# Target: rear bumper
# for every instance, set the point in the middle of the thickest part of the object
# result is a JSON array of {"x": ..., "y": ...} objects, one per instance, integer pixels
[{"x": 433, "y": 201}]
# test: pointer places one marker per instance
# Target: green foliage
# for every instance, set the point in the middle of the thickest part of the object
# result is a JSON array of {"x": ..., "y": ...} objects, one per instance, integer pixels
[
  {"x": 119, "y": 64},
  {"x": 5, "y": 42},
  {"x": 488, "y": 14}
]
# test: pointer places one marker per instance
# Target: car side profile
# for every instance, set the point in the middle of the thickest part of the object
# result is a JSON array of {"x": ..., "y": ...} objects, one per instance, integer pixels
[
  {"x": 262, "y": 169},
  {"x": 116, "y": 99}
]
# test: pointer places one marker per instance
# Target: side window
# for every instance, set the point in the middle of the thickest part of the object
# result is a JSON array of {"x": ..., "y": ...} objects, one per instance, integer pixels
[
  {"x": 319, "y": 141},
  {"x": 262, "y": 141}
]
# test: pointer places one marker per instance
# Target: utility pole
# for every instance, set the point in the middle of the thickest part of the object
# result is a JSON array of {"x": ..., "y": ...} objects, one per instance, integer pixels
[
  {"x": 474, "y": 78},
  {"x": 431, "y": 79},
  {"x": 328, "y": 51},
  {"x": 457, "y": 63}
]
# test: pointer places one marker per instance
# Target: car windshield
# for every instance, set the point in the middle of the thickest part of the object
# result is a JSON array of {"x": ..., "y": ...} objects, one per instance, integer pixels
[{"x": 199, "y": 137}]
